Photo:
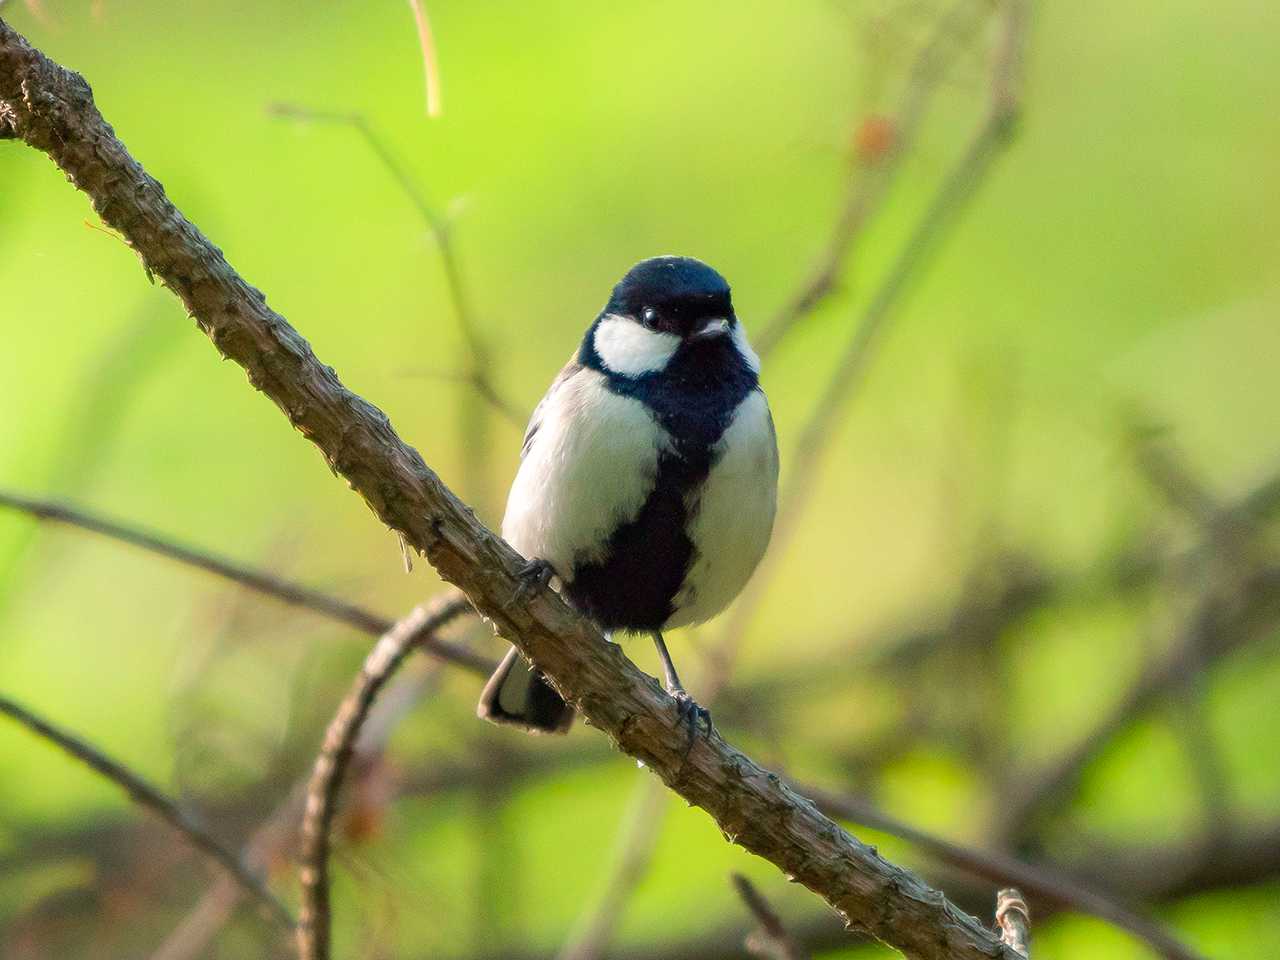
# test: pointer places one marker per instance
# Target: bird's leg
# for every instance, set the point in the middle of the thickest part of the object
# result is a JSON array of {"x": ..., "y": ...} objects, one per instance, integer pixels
[
  {"x": 534, "y": 575},
  {"x": 689, "y": 708}
]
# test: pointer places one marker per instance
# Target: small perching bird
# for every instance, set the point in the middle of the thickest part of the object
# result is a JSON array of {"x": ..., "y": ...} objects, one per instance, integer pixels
[{"x": 648, "y": 477}]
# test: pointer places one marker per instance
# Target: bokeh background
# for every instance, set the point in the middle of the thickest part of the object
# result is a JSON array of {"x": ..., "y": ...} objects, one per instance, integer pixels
[{"x": 1059, "y": 461}]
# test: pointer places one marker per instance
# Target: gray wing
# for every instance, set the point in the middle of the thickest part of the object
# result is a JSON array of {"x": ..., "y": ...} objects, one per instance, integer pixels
[{"x": 566, "y": 373}]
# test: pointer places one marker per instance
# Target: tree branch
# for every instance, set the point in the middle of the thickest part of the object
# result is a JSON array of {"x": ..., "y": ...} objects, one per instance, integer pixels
[
  {"x": 52, "y": 110},
  {"x": 771, "y": 939},
  {"x": 1046, "y": 882},
  {"x": 145, "y": 795},
  {"x": 261, "y": 581},
  {"x": 478, "y": 372},
  {"x": 1013, "y": 920},
  {"x": 331, "y": 765},
  {"x": 957, "y": 189},
  {"x": 868, "y": 186}
]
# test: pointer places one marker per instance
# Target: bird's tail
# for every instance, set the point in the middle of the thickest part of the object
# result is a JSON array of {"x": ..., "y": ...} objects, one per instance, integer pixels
[{"x": 519, "y": 694}]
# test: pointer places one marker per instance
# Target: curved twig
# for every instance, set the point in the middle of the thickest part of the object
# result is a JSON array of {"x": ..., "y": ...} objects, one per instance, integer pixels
[{"x": 331, "y": 764}]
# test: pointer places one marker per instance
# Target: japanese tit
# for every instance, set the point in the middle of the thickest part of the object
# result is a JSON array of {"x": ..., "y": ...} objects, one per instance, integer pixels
[{"x": 648, "y": 477}]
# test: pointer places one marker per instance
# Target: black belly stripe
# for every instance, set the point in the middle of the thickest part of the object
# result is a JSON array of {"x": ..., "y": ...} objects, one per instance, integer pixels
[{"x": 647, "y": 559}]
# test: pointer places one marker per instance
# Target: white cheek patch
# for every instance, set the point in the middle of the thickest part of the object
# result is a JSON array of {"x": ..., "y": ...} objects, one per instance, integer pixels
[
  {"x": 744, "y": 348},
  {"x": 629, "y": 349}
]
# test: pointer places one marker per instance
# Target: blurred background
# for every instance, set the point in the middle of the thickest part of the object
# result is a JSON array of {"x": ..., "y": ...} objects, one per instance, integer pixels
[{"x": 1025, "y": 592}]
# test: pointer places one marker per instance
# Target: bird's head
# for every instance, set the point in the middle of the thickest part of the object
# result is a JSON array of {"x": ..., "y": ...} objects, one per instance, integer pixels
[{"x": 667, "y": 308}]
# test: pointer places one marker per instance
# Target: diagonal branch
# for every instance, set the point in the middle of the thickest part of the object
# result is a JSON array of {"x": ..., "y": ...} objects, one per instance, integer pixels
[
  {"x": 958, "y": 187},
  {"x": 146, "y": 795},
  {"x": 262, "y": 581},
  {"x": 52, "y": 109},
  {"x": 772, "y": 939},
  {"x": 1045, "y": 882},
  {"x": 867, "y": 187},
  {"x": 478, "y": 372}
]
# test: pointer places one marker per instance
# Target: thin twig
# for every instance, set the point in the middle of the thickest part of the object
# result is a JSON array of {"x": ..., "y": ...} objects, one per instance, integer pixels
[
  {"x": 430, "y": 71},
  {"x": 331, "y": 764},
  {"x": 1221, "y": 623},
  {"x": 261, "y": 581},
  {"x": 957, "y": 188},
  {"x": 1013, "y": 920},
  {"x": 771, "y": 939},
  {"x": 867, "y": 186},
  {"x": 478, "y": 373},
  {"x": 275, "y": 839},
  {"x": 146, "y": 795}
]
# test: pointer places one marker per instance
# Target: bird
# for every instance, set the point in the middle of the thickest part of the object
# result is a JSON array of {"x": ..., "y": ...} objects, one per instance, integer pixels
[{"x": 648, "y": 478}]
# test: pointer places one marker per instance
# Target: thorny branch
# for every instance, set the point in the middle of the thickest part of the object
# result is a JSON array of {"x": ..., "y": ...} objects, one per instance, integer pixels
[
  {"x": 148, "y": 796},
  {"x": 1042, "y": 881},
  {"x": 52, "y": 110}
]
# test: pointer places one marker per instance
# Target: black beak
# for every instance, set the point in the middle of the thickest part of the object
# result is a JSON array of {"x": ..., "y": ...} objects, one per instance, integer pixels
[{"x": 710, "y": 329}]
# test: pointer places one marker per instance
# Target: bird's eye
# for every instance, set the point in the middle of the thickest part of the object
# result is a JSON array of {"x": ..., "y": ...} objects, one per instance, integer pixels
[{"x": 649, "y": 316}]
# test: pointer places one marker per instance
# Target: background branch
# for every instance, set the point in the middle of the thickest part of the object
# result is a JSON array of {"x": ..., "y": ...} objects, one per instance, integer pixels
[
  {"x": 261, "y": 581},
  {"x": 771, "y": 939},
  {"x": 145, "y": 795}
]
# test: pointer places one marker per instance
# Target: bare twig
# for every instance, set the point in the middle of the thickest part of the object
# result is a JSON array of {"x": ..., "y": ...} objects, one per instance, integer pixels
[
  {"x": 1220, "y": 624},
  {"x": 275, "y": 840},
  {"x": 145, "y": 795},
  {"x": 1013, "y": 920},
  {"x": 261, "y": 581},
  {"x": 478, "y": 372},
  {"x": 957, "y": 188},
  {"x": 430, "y": 70},
  {"x": 331, "y": 765},
  {"x": 868, "y": 185},
  {"x": 1046, "y": 882},
  {"x": 771, "y": 939},
  {"x": 52, "y": 110}
]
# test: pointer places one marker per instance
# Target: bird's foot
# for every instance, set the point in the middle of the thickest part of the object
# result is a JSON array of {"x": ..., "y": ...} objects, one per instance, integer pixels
[
  {"x": 690, "y": 711},
  {"x": 534, "y": 575}
]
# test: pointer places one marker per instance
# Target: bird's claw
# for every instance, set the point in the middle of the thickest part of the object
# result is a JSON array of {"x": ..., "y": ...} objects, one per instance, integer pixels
[
  {"x": 690, "y": 711},
  {"x": 534, "y": 575}
]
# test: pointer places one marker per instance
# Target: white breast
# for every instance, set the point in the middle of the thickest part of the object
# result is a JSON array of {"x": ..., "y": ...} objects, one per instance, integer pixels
[
  {"x": 732, "y": 514},
  {"x": 588, "y": 469}
]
